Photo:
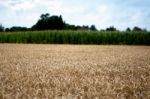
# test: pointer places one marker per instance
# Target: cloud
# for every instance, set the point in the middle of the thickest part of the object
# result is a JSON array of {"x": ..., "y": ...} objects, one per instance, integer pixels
[
  {"x": 16, "y": 5},
  {"x": 118, "y": 13}
]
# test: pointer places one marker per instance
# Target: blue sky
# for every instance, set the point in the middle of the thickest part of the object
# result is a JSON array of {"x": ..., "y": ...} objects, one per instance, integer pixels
[{"x": 102, "y": 13}]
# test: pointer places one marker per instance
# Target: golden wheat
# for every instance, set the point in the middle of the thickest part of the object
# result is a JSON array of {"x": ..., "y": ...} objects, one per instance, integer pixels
[{"x": 74, "y": 72}]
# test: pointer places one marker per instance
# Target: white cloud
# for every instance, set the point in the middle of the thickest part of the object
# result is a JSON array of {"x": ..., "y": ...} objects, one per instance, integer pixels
[
  {"x": 24, "y": 5},
  {"x": 98, "y": 12},
  {"x": 17, "y": 5}
]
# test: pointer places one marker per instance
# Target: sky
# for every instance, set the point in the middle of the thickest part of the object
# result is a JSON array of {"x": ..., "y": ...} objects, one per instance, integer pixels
[{"x": 102, "y": 13}]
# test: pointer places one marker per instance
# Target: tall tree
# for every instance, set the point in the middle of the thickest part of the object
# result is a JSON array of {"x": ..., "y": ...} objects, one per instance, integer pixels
[
  {"x": 93, "y": 28},
  {"x": 111, "y": 28},
  {"x": 16, "y": 29},
  {"x": 1, "y": 28},
  {"x": 47, "y": 22},
  {"x": 45, "y": 16},
  {"x": 128, "y": 30},
  {"x": 137, "y": 29}
]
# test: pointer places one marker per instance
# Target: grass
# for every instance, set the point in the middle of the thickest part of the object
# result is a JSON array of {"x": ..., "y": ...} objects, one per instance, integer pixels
[
  {"x": 30, "y": 71},
  {"x": 76, "y": 37}
]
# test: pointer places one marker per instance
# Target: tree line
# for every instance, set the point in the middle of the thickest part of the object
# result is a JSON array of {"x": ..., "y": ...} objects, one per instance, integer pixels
[{"x": 47, "y": 22}]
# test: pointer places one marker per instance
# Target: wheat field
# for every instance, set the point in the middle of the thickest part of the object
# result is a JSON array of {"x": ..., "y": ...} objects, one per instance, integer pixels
[{"x": 30, "y": 71}]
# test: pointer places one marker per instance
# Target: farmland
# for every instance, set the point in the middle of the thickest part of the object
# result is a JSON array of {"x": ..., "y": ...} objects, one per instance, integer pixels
[
  {"x": 74, "y": 71},
  {"x": 76, "y": 37}
]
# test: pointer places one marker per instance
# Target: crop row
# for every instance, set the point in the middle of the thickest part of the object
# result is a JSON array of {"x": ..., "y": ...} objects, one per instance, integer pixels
[{"x": 76, "y": 37}]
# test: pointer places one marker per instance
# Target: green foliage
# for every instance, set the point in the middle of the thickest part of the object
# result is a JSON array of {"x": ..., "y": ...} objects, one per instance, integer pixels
[
  {"x": 128, "y": 30},
  {"x": 16, "y": 29},
  {"x": 76, "y": 37},
  {"x": 111, "y": 28},
  {"x": 93, "y": 28},
  {"x": 1, "y": 28},
  {"x": 136, "y": 29},
  {"x": 47, "y": 22}
]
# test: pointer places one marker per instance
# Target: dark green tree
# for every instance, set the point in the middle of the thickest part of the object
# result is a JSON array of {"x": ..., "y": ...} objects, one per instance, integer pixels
[
  {"x": 137, "y": 29},
  {"x": 7, "y": 30},
  {"x": 128, "y": 30},
  {"x": 45, "y": 16},
  {"x": 85, "y": 28},
  {"x": 111, "y": 28},
  {"x": 62, "y": 23},
  {"x": 1, "y": 28},
  {"x": 47, "y": 22},
  {"x": 16, "y": 29},
  {"x": 71, "y": 27},
  {"x": 93, "y": 28}
]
